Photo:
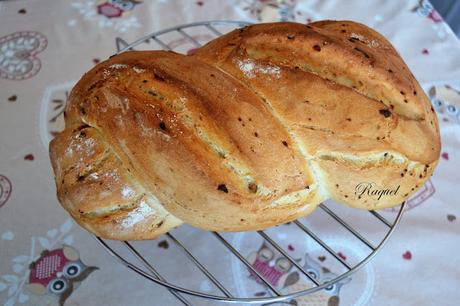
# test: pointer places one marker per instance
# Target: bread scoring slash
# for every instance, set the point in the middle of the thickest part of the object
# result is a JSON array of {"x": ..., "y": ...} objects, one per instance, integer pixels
[{"x": 254, "y": 129}]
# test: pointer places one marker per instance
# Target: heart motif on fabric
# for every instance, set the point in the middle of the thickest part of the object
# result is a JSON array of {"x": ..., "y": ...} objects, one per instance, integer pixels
[
  {"x": 407, "y": 255},
  {"x": 29, "y": 157},
  {"x": 18, "y": 55}
]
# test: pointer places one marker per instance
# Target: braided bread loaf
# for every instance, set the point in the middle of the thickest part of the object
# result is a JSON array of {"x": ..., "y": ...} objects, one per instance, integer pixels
[{"x": 253, "y": 130}]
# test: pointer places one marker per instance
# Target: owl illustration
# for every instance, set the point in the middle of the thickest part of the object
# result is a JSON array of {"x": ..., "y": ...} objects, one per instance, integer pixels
[
  {"x": 269, "y": 10},
  {"x": 329, "y": 296},
  {"x": 58, "y": 273},
  {"x": 446, "y": 100},
  {"x": 426, "y": 9},
  {"x": 278, "y": 271},
  {"x": 270, "y": 265},
  {"x": 116, "y": 8}
]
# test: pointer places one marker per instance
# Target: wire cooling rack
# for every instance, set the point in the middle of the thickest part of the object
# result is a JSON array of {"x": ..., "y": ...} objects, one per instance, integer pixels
[{"x": 185, "y": 38}]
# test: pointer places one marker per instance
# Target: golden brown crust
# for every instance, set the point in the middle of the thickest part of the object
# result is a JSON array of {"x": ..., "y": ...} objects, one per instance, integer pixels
[
  {"x": 100, "y": 193},
  {"x": 347, "y": 97},
  {"x": 255, "y": 129}
]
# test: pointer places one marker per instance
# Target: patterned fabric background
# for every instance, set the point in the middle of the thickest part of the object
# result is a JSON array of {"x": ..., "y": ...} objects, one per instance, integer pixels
[{"x": 45, "y": 259}]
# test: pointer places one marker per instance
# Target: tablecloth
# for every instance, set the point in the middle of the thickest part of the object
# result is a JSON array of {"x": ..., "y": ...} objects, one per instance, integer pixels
[{"x": 45, "y": 46}]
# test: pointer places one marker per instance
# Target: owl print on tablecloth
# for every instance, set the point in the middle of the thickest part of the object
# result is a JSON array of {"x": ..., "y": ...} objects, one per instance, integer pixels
[
  {"x": 272, "y": 267},
  {"x": 280, "y": 273},
  {"x": 58, "y": 273},
  {"x": 446, "y": 100},
  {"x": 116, "y": 8},
  {"x": 425, "y": 8},
  {"x": 269, "y": 10},
  {"x": 118, "y": 15}
]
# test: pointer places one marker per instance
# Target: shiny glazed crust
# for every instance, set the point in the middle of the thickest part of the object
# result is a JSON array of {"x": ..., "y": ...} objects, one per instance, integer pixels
[{"x": 253, "y": 130}]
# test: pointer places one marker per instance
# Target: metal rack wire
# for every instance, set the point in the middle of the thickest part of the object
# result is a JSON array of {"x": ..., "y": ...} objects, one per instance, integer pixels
[{"x": 145, "y": 268}]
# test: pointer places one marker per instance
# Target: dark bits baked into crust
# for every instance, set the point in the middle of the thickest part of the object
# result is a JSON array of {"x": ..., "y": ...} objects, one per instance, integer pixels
[{"x": 255, "y": 129}]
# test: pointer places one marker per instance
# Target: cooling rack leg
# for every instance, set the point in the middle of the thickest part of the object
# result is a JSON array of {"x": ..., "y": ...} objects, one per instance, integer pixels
[
  {"x": 287, "y": 256},
  {"x": 347, "y": 226},
  {"x": 246, "y": 263},
  {"x": 322, "y": 243},
  {"x": 155, "y": 272},
  {"x": 200, "y": 266}
]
